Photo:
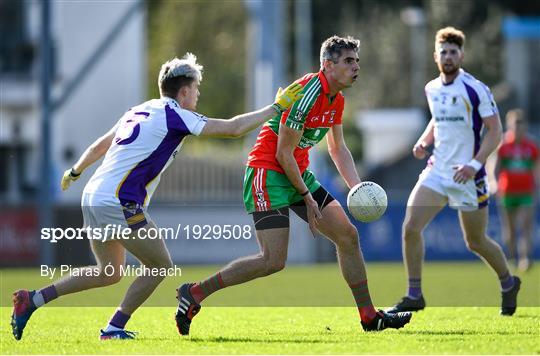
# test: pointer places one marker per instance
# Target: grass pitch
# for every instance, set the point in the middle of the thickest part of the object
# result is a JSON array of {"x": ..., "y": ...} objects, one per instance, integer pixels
[{"x": 312, "y": 328}]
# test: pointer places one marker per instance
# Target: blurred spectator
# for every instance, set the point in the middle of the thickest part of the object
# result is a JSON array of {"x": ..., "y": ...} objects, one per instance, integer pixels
[{"x": 517, "y": 165}]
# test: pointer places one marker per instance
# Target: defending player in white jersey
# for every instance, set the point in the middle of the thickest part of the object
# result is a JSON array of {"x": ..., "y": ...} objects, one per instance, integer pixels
[
  {"x": 461, "y": 106},
  {"x": 137, "y": 150}
]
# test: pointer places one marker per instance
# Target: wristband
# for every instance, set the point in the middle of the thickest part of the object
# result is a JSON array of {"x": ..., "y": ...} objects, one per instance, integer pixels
[
  {"x": 305, "y": 193},
  {"x": 73, "y": 174},
  {"x": 277, "y": 108},
  {"x": 476, "y": 165}
]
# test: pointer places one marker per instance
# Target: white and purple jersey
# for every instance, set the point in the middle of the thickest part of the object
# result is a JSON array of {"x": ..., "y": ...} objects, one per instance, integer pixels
[
  {"x": 147, "y": 138},
  {"x": 457, "y": 109}
]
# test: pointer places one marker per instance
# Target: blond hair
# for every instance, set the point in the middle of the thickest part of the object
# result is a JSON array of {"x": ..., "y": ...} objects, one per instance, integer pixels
[{"x": 176, "y": 73}]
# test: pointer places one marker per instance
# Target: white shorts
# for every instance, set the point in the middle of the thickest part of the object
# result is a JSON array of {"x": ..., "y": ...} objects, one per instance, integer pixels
[
  {"x": 470, "y": 196},
  {"x": 100, "y": 211}
]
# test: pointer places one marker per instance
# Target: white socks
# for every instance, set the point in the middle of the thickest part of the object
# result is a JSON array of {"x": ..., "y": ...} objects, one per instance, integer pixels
[
  {"x": 37, "y": 299},
  {"x": 110, "y": 328}
]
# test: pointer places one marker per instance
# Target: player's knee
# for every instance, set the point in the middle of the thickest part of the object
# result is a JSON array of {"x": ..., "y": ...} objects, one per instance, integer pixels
[
  {"x": 411, "y": 230},
  {"x": 348, "y": 237},
  {"x": 167, "y": 263},
  {"x": 274, "y": 265},
  {"x": 115, "y": 278},
  {"x": 475, "y": 244},
  {"x": 472, "y": 246},
  {"x": 350, "y": 231},
  {"x": 109, "y": 275}
]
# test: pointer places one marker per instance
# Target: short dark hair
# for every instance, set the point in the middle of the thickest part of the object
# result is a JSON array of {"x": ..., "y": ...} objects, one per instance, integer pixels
[
  {"x": 450, "y": 35},
  {"x": 169, "y": 87},
  {"x": 331, "y": 48}
]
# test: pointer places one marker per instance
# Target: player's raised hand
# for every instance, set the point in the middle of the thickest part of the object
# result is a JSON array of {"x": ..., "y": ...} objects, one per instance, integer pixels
[
  {"x": 285, "y": 98},
  {"x": 68, "y": 177}
]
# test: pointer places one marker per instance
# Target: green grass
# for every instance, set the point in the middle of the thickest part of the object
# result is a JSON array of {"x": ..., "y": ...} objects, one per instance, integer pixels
[{"x": 294, "y": 329}]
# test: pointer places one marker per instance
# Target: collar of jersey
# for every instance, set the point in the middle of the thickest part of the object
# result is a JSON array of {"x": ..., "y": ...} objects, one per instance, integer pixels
[
  {"x": 324, "y": 82},
  {"x": 453, "y": 81},
  {"x": 510, "y": 137},
  {"x": 169, "y": 100}
]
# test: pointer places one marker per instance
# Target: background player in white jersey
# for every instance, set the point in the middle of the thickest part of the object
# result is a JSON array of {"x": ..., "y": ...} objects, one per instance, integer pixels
[
  {"x": 137, "y": 150},
  {"x": 460, "y": 107}
]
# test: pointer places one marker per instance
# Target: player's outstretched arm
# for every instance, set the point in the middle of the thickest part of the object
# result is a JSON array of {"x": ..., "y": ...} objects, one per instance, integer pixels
[
  {"x": 342, "y": 157},
  {"x": 94, "y": 152},
  {"x": 242, "y": 124}
]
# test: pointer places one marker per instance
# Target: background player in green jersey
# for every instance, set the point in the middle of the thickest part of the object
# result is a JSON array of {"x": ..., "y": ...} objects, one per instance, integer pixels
[
  {"x": 518, "y": 171},
  {"x": 277, "y": 179}
]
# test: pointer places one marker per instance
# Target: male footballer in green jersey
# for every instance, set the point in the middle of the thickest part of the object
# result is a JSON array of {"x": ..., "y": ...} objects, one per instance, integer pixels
[{"x": 277, "y": 178}]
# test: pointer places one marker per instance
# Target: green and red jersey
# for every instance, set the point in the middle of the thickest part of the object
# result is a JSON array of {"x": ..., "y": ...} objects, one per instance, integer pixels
[
  {"x": 315, "y": 114},
  {"x": 516, "y": 162}
]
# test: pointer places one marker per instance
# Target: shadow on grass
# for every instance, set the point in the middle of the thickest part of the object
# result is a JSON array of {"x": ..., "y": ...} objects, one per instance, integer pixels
[
  {"x": 524, "y": 316},
  {"x": 468, "y": 332},
  {"x": 259, "y": 340}
]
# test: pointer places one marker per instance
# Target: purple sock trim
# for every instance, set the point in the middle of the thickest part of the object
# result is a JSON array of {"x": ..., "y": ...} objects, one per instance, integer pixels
[
  {"x": 119, "y": 319},
  {"x": 49, "y": 293},
  {"x": 415, "y": 288},
  {"x": 507, "y": 282}
]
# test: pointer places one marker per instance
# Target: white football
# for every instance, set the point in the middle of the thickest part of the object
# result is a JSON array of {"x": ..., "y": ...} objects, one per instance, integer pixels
[{"x": 367, "y": 201}]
